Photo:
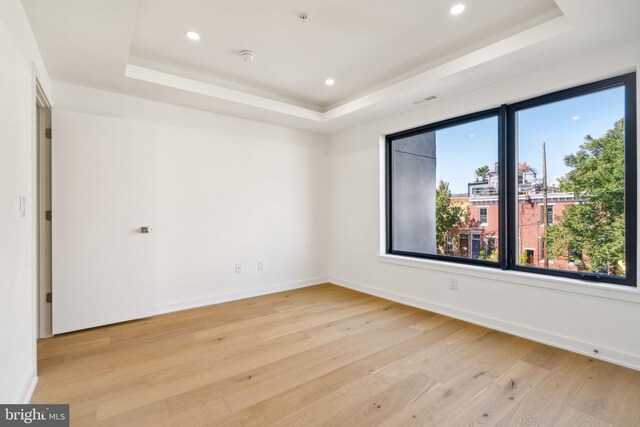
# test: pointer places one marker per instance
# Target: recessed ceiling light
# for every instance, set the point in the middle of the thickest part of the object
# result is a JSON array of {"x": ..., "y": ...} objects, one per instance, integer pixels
[
  {"x": 457, "y": 9},
  {"x": 472, "y": 136},
  {"x": 329, "y": 82},
  {"x": 193, "y": 35},
  {"x": 575, "y": 118}
]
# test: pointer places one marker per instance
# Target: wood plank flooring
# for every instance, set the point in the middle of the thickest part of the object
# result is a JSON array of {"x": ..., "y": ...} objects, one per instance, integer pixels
[{"x": 325, "y": 356}]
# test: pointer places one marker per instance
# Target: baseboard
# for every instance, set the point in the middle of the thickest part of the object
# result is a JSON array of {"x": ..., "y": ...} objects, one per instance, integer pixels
[
  {"x": 566, "y": 343},
  {"x": 234, "y": 296},
  {"x": 29, "y": 387}
]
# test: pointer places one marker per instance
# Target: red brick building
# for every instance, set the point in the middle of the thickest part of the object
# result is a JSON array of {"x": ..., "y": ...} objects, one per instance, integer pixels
[{"x": 477, "y": 235}]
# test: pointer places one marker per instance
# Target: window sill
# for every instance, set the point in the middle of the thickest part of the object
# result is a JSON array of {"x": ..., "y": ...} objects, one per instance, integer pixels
[{"x": 600, "y": 290}]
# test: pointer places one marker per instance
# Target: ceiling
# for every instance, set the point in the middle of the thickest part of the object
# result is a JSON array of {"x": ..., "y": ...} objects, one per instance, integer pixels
[
  {"x": 382, "y": 55},
  {"x": 360, "y": 43}
]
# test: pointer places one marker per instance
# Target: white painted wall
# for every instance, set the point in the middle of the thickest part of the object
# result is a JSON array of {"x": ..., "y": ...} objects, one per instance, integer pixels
[
  {"x": 19, "y": 64},
  {"x": 227, "y": 191},
  {"x": 581, "y": 317}
]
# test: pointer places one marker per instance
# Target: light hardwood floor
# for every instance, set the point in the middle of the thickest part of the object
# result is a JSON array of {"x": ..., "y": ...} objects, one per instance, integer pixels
[{"x": 327, "y": 356}]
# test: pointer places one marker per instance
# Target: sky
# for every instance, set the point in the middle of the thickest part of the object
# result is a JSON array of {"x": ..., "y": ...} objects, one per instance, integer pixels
[{"x": 562, "y": 125}]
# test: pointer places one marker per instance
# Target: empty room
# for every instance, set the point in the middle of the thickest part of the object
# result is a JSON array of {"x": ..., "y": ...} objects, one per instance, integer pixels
[{"x": 319, "y": 213}]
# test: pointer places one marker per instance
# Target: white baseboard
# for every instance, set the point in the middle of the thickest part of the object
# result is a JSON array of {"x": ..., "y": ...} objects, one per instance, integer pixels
[
  {"x": 234, "y": 296},
  {"x": 555, "y": 340},
  {"x": 29, "y": 387}
]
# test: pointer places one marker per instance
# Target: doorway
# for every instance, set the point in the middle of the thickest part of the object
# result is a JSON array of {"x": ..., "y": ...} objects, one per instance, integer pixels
[
  {"x": 475, "y": 246},
  {"x": 44, "y": 214},
  {"x": 464, "y": 245}
]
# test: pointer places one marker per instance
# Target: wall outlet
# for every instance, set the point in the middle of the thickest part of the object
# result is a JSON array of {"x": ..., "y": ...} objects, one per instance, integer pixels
[
  {"x": 453, "y": 284},
  {"x": 238, "y": 269},
  {"x": 260, "y": 265}
]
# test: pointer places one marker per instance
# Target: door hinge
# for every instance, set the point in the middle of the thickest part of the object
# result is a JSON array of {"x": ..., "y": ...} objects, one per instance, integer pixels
[
  {"x": 47, "y": 133},
  {"x": 47, "y": 215},
  {"x": 49, "y": 297}
]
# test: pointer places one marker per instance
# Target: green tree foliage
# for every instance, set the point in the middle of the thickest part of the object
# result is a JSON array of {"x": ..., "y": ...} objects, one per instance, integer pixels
[
  {"x": 482, "y": 255},
  {"x": 482, "y": 171},
  {"x": 447, "y": 213},
  {"x": 595, "y": 227}
]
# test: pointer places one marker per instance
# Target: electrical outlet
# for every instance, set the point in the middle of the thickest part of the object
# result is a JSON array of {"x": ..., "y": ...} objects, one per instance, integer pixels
[
  {"x": 238, "y": 269},
  {"x": 453, "y": 284},
  {"x": 260, "y": 265}
]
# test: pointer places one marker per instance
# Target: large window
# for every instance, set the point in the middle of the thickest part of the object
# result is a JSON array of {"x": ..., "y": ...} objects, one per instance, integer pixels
[
  {"x": 547, "y": 185},
  {"x": 444, "y": 182}
]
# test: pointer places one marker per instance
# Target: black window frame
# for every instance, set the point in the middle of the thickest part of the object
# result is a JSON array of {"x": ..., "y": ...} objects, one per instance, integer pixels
[
  {"x": 507, "y": 176},
  {"x": 494, "y": 112}
]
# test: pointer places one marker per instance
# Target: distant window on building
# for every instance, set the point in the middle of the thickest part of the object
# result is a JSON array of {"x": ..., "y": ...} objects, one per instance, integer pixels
[
  {"x": 450, "y": 245},
  {"x": 529, "y": 256},
  {"x": 549, "y": 214},
  {"x": 575, "y": 257},
  {"x": 482, "y": 214}
]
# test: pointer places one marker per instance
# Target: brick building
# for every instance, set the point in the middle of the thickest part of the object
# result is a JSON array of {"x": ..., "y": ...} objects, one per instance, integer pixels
[{"x": 477, "y": 235}]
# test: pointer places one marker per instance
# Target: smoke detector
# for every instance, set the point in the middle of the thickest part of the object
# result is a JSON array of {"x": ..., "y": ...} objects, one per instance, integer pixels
[{"x": 247, "y": 55}]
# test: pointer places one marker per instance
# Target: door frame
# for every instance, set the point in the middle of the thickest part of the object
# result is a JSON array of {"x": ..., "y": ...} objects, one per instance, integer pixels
[{"x": 42, "y": 203}]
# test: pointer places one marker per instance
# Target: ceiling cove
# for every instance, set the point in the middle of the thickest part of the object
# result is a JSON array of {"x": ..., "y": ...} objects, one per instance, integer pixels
[{"x": 154, "y": 73}]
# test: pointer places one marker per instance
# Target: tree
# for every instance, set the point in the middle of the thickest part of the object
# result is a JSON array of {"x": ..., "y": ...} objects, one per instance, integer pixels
[
  {"x": 523, "y": 258},
  {"x": 447, "y": 213},
  {"x": 595, "y": 227},
  {"x": 482, "y": 171},
  {"x": 482, "y": 255}
]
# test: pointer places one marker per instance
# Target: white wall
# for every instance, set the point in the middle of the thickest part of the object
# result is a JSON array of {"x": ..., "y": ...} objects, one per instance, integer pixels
[
  {"x": 577, "y": 316},
  {"x": 19, "y": 65},
  {"x": 227, "y": 191}
]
